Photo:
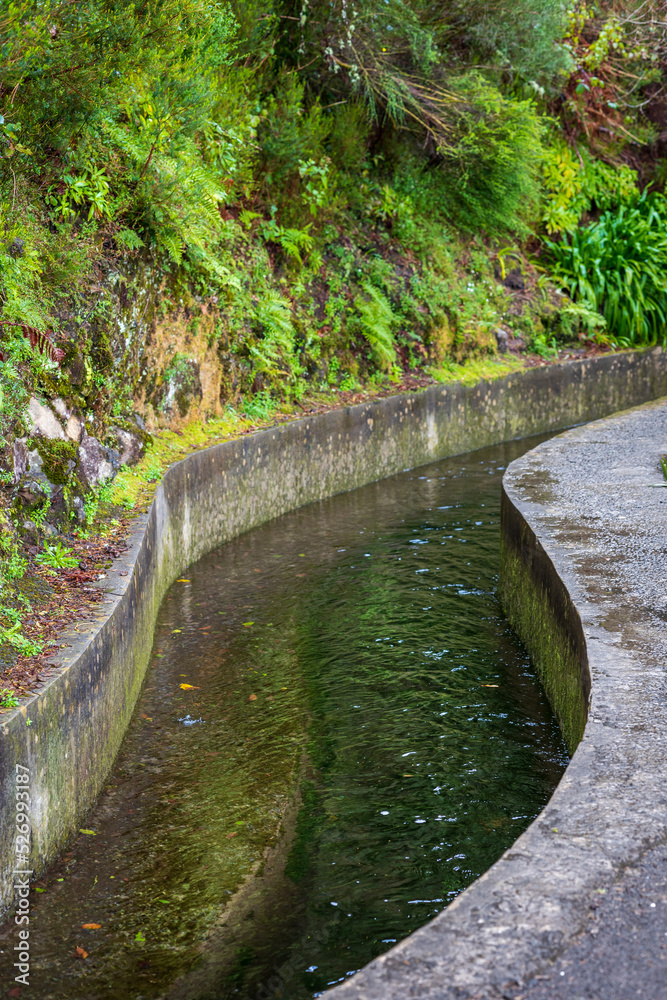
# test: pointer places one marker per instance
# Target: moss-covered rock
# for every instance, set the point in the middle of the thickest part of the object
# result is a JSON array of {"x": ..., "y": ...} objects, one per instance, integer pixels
[{"x": 59, "y": 459}]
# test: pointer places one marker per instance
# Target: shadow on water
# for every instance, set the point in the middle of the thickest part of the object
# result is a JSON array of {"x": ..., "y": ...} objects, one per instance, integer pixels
[{"x": 338, "y": 733}]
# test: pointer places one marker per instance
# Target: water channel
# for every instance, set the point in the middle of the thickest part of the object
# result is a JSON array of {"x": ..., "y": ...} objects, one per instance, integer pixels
[{"x": 338, "y": 733}]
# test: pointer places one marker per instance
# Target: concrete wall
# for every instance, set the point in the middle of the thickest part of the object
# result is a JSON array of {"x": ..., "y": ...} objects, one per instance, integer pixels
[{"x": 79, "y": 718}]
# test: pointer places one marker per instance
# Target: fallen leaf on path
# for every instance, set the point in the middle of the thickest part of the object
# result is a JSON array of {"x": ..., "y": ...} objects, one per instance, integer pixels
[
  {"x": 248, "y": 624},
  {"x": 91, "y": 927},
  {"x": 490, "y": 685},
  {"x": 189, "y": 687},
  {"x": 183, "y": 580},
  {"x": 230, "y": 835},
  {"x": 253, "y": 697},
  {"x": 81, "y": 952},
  {"x": 147, "y": 717},
  {"x": 90, "y": 833}
]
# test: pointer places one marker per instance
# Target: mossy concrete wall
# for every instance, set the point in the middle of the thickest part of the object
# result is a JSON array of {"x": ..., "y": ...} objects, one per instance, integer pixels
[
  {"x": 78, "y": 719},
  {"x": 541, "y": 612}
]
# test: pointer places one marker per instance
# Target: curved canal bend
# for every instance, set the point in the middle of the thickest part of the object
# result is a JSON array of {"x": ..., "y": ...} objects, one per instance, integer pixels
[{"x": 339, "y": 732}]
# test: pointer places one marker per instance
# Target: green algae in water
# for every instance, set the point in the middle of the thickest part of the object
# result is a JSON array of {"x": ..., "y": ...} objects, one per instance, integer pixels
[{"x": 363, "y": 737}]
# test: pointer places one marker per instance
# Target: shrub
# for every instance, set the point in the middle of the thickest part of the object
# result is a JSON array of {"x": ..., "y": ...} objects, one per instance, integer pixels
[
  {"x": 491, "y": 163},
  {"x": 618, "y": 266}
]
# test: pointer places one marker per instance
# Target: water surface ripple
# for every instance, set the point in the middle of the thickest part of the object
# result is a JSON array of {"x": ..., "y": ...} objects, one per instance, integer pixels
[{"x": 362, "y": 735}]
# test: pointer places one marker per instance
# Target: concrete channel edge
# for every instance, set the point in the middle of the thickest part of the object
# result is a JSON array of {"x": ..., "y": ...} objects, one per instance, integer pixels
[{"x": 77, "y": 721}]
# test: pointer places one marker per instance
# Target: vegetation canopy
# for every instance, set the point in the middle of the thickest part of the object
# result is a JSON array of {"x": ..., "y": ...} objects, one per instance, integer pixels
[{"x": 214, "y": 209}]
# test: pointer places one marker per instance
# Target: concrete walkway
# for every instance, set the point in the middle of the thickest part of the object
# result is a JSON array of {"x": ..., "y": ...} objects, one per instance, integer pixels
[
  {"x": 622, "y": 954},
  {"x": 577, "y": 908}
]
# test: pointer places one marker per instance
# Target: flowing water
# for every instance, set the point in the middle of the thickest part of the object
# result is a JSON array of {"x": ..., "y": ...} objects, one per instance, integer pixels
[{"x": 338, "y": 733}]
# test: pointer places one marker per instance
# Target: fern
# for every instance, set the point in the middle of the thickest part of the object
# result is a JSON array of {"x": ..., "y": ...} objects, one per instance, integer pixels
[
  {"x": 376, "y": 320},
  {"x": 274, "y": 355}
]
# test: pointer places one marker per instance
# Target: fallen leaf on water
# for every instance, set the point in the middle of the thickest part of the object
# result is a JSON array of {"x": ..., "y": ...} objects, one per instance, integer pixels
[
  {"x": 253, "y": 697},
  {"x": 81, "y": 952},
  {"x": 91, "y": 927},
  {"x": 189, "y": 687},
  {"x": 91, "y": 833}
]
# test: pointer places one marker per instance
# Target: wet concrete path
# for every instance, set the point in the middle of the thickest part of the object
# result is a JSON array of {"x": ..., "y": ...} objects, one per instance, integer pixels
[{"x": 622, "y": 954}]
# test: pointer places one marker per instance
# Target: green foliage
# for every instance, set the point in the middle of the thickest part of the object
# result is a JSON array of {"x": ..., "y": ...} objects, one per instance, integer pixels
[
  {"x": 8, "y": 699},
  {"x": 575, "y": 182},
  {"x": 491, "y": 168},
  {"x": 293, "y": 242},
  {"x": 376, "y": 321},
  {"x": 618, "y": 266},
  {"x": 260, "y": 406},
  {"x": 57, "y": 556},
  {"x": 273, "y": 355},
  {"x": 524, "y": 37}
]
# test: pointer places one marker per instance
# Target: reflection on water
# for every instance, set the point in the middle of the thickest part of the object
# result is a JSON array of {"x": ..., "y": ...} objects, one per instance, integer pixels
[{"x": 337, "y": 721}]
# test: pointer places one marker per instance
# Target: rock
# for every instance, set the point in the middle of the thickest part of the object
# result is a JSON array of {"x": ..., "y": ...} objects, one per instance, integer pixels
[
  {"x": 20, "y": 455},
  {"x": 514, "y": 280},
  {"x": 16, "y": 247},
  {"x": 34, "y": 485},
  {"x": 180, "y": 386},
  {"x": 502, "y": 339},
  {"x": 79, "y": 509},
  {"x": 97, "y": 464},
  {"x": 35, "y": 463},
  {"x": 139, "y": 421},
  {"x": 130, "y": 445},
  {"x": 43, "y": 421},
  {"x": 61, "y": 408},
  {"x": 74, "y": 429},
  {"x": 49, "y": 529}
]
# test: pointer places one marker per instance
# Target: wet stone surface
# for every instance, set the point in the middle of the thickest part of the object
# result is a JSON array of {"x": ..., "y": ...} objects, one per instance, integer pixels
[{"x": 622, "y": 955}]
